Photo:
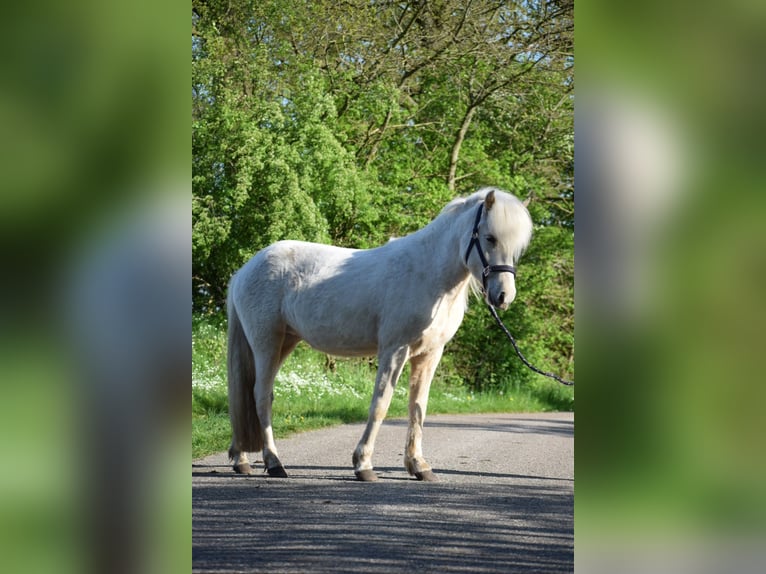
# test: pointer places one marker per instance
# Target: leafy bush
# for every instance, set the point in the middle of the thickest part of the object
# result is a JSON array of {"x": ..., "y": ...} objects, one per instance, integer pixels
[{"x": 307, "y": 124}]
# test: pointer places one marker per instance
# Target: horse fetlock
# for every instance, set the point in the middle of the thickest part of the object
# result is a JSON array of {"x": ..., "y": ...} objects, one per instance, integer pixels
[
  {"x": 362, "y": 459},
  {"x": 241, "y": 463},
  {"x": 243, "y": 468},
  {"x": 420, "y": 469},
  {"x": 416, "y": 465}
]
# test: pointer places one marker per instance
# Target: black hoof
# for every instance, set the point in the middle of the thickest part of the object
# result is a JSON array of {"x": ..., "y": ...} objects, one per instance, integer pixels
[
  {"x": 277, "y": 471},
  {"x": 243, "y": 468},
  {"x": 427, "y": 476},
  {"x": 367, "y": 475}
]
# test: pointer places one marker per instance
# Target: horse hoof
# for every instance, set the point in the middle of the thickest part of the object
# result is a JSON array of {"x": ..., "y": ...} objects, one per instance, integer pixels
[
  {"x": 427, "y": 476},
  {"x": 366, "y": 475},
  {"x": 277, "y": 471},
  {"x": 243, "y": 468}
]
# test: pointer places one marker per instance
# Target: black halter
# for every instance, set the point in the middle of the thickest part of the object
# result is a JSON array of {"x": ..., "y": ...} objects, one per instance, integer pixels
[{"x": 475, "y": 242}]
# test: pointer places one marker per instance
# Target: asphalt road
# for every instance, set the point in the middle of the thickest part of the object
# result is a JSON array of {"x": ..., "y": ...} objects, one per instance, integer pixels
[{"x": 504, "y": 503}]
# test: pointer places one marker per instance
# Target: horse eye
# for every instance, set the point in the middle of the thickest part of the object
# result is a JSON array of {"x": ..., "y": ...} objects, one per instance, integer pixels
[{"x": 491, "y": 239}]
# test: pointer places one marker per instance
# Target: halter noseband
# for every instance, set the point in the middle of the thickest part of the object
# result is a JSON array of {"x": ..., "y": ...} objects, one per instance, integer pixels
[{"x": 475, "y": 243}]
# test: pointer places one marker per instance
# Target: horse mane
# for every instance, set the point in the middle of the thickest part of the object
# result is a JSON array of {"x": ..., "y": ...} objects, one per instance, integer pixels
[{"x": 459, "y": 202}]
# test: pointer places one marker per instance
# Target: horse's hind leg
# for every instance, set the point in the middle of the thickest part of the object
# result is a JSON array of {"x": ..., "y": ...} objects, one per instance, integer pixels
[
  {"x": 423, "y": 367},
  {"x": 390, "y": 365},
  {"x": 267, "y": 363},
  {"x": 246, "y": 432}
]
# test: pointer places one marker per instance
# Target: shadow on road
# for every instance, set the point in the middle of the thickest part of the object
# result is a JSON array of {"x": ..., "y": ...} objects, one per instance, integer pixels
[
  {"x": 324, "y": 473},
  {"x": 388, "y": 526},
  {"x": 505, "y": 503}
]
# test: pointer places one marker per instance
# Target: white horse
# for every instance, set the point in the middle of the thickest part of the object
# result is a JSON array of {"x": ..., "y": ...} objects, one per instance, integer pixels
[{"x": 402, "y": 301}]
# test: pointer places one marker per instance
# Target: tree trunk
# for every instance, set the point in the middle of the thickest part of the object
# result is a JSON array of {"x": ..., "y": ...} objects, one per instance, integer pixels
[
  {"x": 376, "y": 143},
  {"x": 455, "y": 155}
]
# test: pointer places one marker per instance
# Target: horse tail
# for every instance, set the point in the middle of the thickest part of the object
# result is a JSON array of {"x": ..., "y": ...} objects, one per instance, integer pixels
[{"x": 245, "y": 426}]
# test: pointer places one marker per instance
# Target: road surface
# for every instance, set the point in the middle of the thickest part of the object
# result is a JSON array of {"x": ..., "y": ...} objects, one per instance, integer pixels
[{"x": 504, "y": 502}]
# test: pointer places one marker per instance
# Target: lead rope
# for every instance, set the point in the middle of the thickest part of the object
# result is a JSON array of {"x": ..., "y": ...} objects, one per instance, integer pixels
[
  {"x": 475, "y": 242},
  {"x": 523, "y": 359}
]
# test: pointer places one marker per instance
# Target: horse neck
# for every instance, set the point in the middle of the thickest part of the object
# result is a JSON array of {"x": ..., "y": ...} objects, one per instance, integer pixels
[{"x": 441, "y": 245}]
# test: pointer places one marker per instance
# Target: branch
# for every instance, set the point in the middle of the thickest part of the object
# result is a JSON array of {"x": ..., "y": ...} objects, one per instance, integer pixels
[
  {"x": 376, "y": 144},
  {"x": 459, "y": 138}
]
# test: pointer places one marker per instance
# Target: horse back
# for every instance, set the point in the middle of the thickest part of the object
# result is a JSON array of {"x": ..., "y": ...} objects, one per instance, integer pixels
[{"x": 340, "y": 301}]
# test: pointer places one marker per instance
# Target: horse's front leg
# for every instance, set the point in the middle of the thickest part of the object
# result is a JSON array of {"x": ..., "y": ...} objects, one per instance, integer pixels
[
  {"x": 390, "y": 365},
  {"x": 423, "y": 367}
]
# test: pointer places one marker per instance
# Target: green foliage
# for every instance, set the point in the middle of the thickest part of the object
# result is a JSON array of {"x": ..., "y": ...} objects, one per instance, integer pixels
[{"x": 353, "y": 123}]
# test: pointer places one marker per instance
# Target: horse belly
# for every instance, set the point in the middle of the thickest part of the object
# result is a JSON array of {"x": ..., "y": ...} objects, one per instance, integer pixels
[
  {"x": 343, "y": 348},
  {"x": 334, "y": 328},
  {"x": 343, "y": 342}
]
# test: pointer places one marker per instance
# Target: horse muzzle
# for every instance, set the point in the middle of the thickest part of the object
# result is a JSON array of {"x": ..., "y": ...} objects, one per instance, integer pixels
[{"x": 501, "y": 296}]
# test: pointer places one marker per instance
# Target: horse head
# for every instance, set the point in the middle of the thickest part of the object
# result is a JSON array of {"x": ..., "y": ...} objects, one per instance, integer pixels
[{"x": 501, "y": 232}]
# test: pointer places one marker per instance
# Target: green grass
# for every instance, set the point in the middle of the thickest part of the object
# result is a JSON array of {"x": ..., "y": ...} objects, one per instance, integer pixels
[{"x": 310, "y": 393}]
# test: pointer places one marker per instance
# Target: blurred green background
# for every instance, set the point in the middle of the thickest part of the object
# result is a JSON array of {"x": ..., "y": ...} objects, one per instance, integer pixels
[
  {"x": 670, "y": 173},
  {"x": 94, "y": 116},
  {"x": 94, "y": 104}
]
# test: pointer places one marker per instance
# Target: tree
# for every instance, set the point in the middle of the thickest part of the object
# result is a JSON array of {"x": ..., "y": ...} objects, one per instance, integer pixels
[{"x": 351, "y": 122}]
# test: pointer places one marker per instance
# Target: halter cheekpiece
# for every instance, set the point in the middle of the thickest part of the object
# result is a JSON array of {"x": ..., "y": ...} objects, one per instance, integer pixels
[{"x": 476, "y": 243}]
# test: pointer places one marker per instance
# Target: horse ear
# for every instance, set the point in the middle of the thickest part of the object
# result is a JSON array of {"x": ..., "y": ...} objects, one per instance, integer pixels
[
  {"x": 489, "y": 200},
  {"x": 525, "y": 203}
]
